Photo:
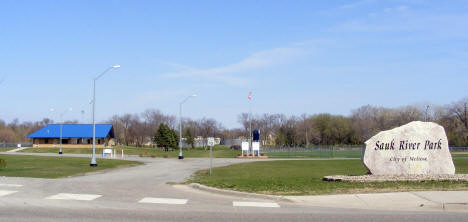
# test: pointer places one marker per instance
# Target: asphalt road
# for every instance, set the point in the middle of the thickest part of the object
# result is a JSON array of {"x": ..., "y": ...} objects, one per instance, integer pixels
[{"x": 142, "y": 194}]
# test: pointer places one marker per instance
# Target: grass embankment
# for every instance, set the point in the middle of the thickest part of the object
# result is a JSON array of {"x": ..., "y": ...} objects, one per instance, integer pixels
[
  {"x": 304, "y": 177},
  {"x": 218, "y": 151},
  {"x": 55, "y": 167}
]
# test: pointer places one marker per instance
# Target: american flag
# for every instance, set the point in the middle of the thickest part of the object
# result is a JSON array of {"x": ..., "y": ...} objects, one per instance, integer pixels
[{"x": 250, "y": 95}]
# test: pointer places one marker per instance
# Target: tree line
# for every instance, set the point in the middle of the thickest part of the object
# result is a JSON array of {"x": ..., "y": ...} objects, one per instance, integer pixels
[
  {"x": 276, "y": 129},
  {"x": 363, "y": 123}
]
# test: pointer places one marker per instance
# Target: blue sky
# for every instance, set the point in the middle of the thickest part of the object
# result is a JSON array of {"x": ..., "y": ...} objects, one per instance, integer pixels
[{"x": 295, "y": 56}]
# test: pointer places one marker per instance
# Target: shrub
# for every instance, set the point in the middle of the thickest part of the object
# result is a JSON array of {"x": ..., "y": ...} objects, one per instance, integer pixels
[
  {"x": 165, "y": 156},
  {"x": 262, "y": 154},
  {"x": 3, "y": 163},
  {"x": 141, "y": 154},
  {"x": 153, "y": 156},
  {"x": 235, "y": 147}
]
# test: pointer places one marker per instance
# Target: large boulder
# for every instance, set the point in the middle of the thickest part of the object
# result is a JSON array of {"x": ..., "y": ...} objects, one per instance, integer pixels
[{"x": 415, "y": 148}]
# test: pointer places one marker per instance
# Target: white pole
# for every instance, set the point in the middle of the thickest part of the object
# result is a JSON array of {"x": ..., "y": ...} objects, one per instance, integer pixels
[
  {"x": 250, "y": 126},
  {"x": 211, "y": 159},
  {"x": 425, "y": 116},
  {"x": 61, "y": 125},
  {"x": 180, "y": 131},
  {"x": 93, "y": 158},
  {"x": 180, "y": 125}
]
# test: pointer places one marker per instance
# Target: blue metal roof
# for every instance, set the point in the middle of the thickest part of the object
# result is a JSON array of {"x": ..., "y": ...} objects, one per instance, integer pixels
[{"x": 74, "y": 131}]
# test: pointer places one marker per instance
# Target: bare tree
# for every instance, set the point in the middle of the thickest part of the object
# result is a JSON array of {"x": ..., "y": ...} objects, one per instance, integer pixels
[{"x": 459, "y": 108}]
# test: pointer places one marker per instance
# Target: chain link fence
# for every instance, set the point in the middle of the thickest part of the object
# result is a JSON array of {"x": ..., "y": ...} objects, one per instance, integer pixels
[
  {"x": 327, "y": 151},
  {"x": 459, "y": 149},
  {"x": 314, "y": 152}
]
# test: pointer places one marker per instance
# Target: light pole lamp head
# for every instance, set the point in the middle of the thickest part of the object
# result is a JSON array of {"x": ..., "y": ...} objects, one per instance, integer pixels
[
  {"x": 116, "y": 66},
  {"x": 194, "y": 95}
]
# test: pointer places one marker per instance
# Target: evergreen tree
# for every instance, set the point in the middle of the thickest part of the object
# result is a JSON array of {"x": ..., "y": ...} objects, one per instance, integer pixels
[
  {"x": 189, "y": 138},
  {"x": 166, "y": 137},
  {"x": 175, "y": 139}
]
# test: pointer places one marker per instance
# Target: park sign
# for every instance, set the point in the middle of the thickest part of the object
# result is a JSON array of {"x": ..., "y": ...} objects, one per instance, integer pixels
[{"x": 417, "y": 148}]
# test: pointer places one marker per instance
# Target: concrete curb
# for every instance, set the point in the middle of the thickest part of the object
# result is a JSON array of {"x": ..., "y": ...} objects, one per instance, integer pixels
[
  {"x": 238, "y": 193},
  {"x": 455, "y": 207}
]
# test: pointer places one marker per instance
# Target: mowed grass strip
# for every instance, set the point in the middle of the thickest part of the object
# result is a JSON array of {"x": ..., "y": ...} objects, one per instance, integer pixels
[
  {"x": 55, "y": 167},
  {"x": 218, "y": 151},
  {"x": 304, "y": 177}
]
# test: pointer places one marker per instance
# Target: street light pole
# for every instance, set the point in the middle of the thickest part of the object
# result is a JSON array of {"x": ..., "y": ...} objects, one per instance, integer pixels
[
  {"x": 250, "y": 123},
  {"x": 61, "y": 126},
  {"x": 93, "y": 157},
  {"x": 180, "y": 125}
]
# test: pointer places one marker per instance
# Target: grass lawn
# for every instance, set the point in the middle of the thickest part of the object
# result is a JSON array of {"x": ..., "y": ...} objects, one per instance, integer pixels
[
  {"x": 304, "y": 177},
  {"x": 218, "y": 151},
  {"x": 6, "y": 149},
  {"x": 459, "y": 155},
  {"x": 55, "y": 167},
  {"x": 316, "y": 154}
]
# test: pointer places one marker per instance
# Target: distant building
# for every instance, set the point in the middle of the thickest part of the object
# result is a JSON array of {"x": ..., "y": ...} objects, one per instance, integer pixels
[
  {"x": 200, "y": 141},
  {"x": 73, "y": 135},
  {"x": 270, "y": 140}
]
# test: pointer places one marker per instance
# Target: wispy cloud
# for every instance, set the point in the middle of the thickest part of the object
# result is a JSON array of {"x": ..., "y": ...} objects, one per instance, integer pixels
[
  {"x": 232, "y": 73},
  {"x": 347, "y": 7},
  {"x": 356, "y": 4},
  {"x": 398, "y": 9},
  {"x": 159, "y": 95},
  {"x": 403, "y": 19}
]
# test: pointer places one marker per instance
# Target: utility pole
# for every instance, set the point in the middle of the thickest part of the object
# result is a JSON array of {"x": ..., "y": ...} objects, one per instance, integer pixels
[
  {"x": 425, "y": 117},
  {"x": 466, "y": 117}
]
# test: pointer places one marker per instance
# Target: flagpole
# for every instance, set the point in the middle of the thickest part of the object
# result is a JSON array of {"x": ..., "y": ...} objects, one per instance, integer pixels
[{"x": 250, "y": 123}]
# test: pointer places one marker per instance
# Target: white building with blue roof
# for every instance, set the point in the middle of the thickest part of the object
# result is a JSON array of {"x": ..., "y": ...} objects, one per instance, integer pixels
[{"x": 73, "y": 135}]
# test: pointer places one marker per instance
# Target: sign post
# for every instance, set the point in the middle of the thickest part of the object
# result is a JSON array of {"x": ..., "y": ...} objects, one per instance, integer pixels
[
  {"x": 245, "y": 147},
  {"x": 211, "y": 144},
  {"x": 256, "y": 148}
]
